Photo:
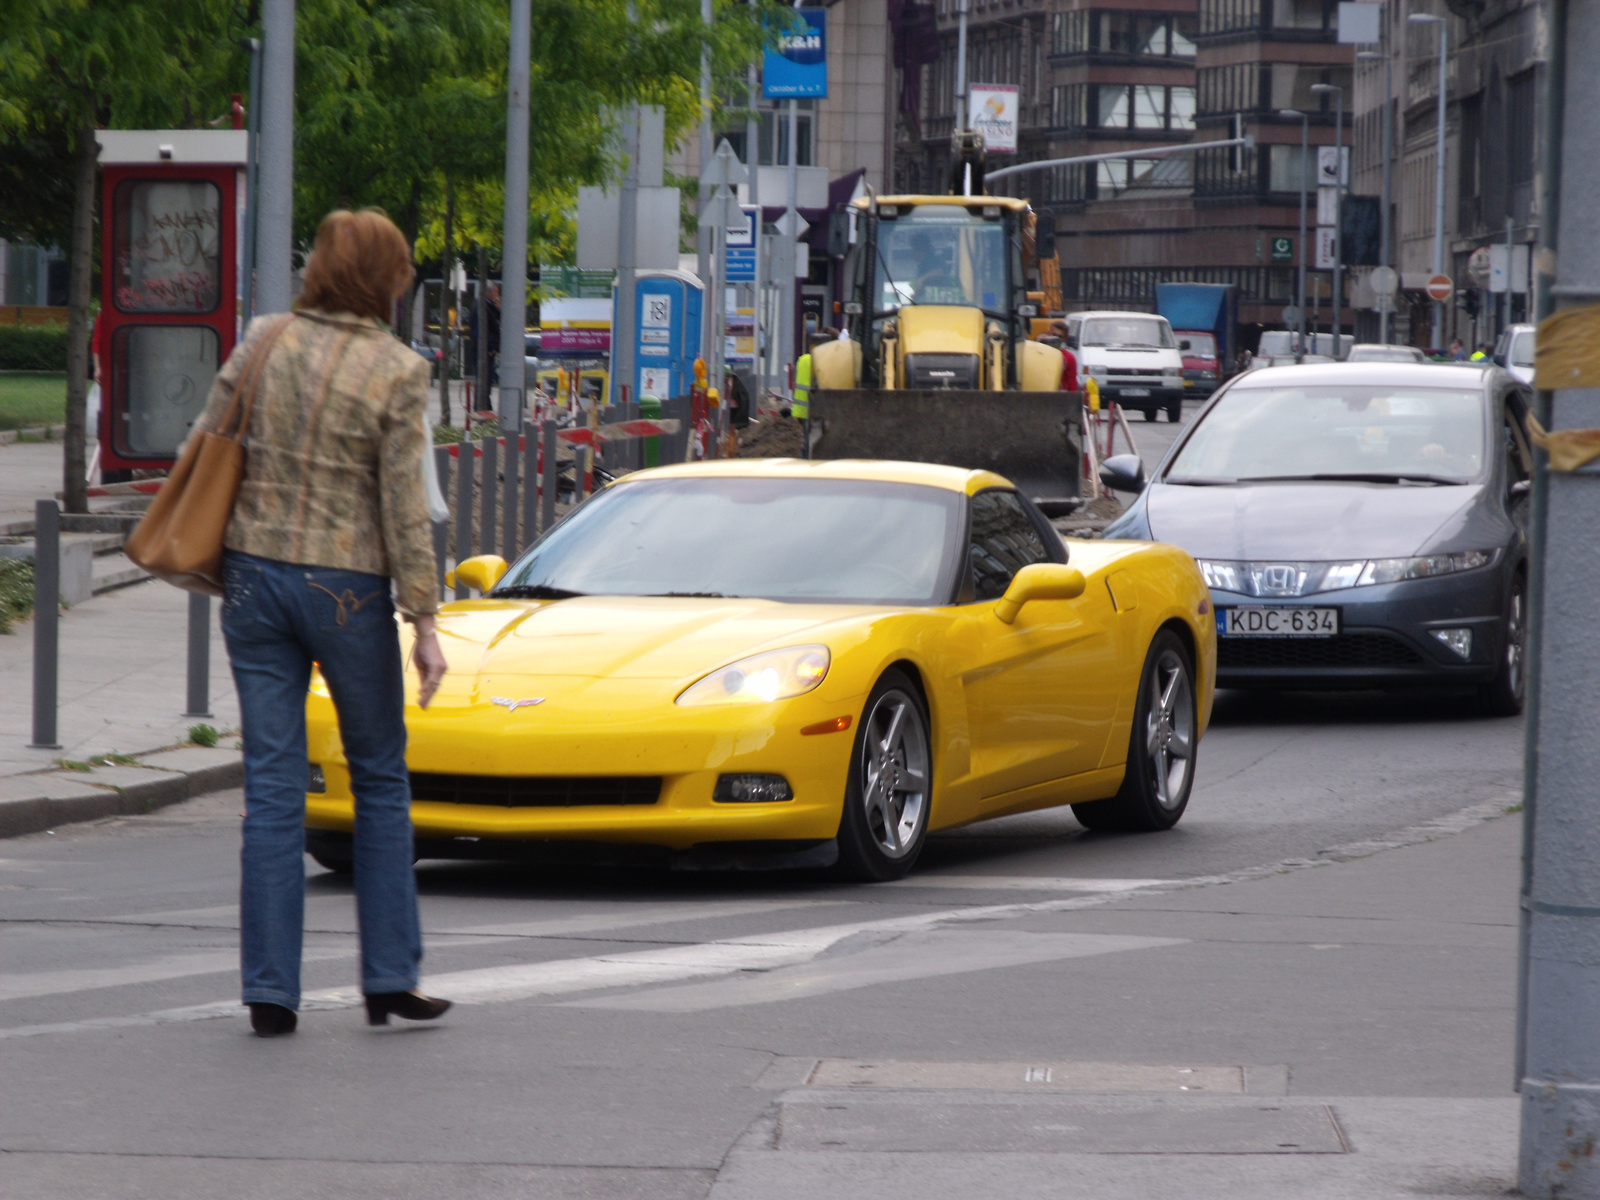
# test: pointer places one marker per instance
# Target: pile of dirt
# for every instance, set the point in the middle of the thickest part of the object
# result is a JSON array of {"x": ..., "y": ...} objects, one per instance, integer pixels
[
  {"x": 772, "y": 437},
  {"x": 1090, "y": 520}
]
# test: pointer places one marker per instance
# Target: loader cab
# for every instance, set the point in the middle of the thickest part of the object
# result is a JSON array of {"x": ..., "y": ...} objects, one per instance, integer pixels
[{"x": 936, "y": 283}]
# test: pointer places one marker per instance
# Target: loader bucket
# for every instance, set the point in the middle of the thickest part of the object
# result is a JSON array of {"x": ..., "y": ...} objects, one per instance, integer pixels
[{"x": 1032, "y": 438}]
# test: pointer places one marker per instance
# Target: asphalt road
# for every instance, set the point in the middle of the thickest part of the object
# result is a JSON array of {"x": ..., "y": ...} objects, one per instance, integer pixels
[{"x": 637, "y": 1034}]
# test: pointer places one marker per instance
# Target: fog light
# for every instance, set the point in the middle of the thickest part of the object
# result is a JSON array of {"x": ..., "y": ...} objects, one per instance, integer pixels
[
  {"x": 1459, "y": 640},
  {"x": 752, "y": 789}
]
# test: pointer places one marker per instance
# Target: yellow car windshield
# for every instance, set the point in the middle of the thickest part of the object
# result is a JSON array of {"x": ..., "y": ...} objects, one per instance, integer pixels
[{"x": 827, "y": 541}]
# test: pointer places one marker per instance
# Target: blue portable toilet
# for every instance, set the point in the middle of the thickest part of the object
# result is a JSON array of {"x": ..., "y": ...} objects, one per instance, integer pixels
[{"x": 667, "y": 329}]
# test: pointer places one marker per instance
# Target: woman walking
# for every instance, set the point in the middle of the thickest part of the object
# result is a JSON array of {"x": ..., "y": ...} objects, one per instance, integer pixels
[{"x": 329, "y": 536}]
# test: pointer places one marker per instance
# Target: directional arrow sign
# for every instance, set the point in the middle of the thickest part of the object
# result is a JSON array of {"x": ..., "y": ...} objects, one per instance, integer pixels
[
  {"x": 724, "y": 169},
  {"x": 722, "y": 211}
]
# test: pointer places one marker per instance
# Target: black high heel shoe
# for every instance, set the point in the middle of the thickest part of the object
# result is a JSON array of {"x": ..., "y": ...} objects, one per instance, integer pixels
[
  {"x": 403, "y": 1004},
  {"x": 272, "y": 1020}
]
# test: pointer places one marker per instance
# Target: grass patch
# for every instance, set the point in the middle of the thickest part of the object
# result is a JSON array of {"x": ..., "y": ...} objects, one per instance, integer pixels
[
  {"x": 114, "y": 760},
  {"x": 72, "y": 764},
  {"x": 16, "y": 590},
  {"x": 32, "y": 400},
  {"x": 203, "y": 735}
]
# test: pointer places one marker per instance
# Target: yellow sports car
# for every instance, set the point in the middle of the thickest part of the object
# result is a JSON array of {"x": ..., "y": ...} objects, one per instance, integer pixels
[{"x": 776, "y": 662}]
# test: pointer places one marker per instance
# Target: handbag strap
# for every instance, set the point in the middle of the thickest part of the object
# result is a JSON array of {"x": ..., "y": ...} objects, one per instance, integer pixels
[{"x": 249, "y": 379}]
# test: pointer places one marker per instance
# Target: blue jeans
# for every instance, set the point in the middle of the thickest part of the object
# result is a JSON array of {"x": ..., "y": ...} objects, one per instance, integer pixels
[{"x": 279, "y": 618}]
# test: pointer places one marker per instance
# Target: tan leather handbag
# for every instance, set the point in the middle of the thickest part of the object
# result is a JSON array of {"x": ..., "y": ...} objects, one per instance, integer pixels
[{"x": 180, "y": 537}]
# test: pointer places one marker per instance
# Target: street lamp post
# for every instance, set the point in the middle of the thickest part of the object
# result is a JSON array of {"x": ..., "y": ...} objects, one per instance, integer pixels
[
  {"x": 1388, "y": 154},
  {"x": 1438, "y": 177},
  {"x": 1338, "y": 201},
  {"x": 1290, "y": 114}
]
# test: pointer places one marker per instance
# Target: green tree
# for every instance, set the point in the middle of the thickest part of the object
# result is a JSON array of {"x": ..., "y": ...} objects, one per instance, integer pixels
[{"x": 67, "y": 67}]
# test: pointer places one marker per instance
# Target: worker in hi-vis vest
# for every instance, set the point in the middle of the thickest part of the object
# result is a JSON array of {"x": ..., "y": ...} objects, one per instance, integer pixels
[{"x": 800, "y": 406}]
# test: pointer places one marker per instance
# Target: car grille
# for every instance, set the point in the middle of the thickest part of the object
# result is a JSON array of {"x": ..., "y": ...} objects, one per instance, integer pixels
[
  {"x": 1141, "y": 372},
  {"x": 535, "y": 791},
  {"x": 1344, "y": 650}
]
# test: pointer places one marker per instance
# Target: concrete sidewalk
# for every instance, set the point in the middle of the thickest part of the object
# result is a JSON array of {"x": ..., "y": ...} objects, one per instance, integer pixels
[{"x": 122, "y": 682}]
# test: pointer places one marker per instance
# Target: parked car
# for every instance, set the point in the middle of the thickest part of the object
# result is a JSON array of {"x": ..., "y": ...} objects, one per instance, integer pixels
[
  {"x": 1379, "y": 352},
  {"x": 1514, "y": 351},
  {"x": 1285, "y": 360},
  {"x": 1133, "y": 358},
  {"x": 823, "y": 685},
  {"x": 1359, "y": 525},
  {"x": 1276, "y": 343}
]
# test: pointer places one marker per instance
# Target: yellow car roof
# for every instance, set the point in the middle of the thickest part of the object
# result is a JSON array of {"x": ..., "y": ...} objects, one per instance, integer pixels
[{"x": 954, "y": 479}]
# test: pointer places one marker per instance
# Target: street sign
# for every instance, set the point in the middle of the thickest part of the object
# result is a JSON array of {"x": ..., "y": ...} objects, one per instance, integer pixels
[
  {"x": 724, "y": 169},
  {"x": 739, "y": 265},
  {"x": 1508, "y": 267},
  {"x": 1291, "y": 316},
  {"x": 1384, "y": 280},
  {"x": 722, "y": 211},
  {"x": 782, "y": 225},
  {"x": 1441, "y": 288},
  {"x": 1360, "y": 24},
  {"x": 1283, "y": 249}
]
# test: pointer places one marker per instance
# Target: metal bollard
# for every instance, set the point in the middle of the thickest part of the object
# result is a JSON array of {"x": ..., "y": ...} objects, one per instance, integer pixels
[
  {"x": 486, "y": 496},
  {"x": 464, "y": 463},
  {"x": 549, "y": 479},
  {"x": 508, "y": 501},
  {"x": 46, "y": 621},
  {"x": 441, "y": 529},
  {"x": 530, "y": 487},
  {"x": 199, "y": 656}
]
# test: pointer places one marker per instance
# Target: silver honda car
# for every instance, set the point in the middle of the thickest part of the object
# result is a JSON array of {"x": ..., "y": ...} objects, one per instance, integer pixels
[{"x": 1359, "y": 524}]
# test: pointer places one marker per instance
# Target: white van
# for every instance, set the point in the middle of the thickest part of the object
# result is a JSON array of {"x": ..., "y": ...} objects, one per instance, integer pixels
[{"x": 1132, "y": 357}]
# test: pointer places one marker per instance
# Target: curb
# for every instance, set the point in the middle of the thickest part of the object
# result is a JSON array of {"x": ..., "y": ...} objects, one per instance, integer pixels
[{"x": 35, "y": 803}]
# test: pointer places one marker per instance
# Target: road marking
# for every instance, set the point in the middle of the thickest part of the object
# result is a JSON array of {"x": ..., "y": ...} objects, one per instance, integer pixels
[
  {"x": 920, "y": 955},
  {"x": 634, "y": 968},
  {"x": 1027, "y": 883}
]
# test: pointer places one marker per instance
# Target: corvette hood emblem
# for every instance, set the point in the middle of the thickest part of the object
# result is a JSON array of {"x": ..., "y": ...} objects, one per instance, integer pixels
[{"x": 508, "y": 703}]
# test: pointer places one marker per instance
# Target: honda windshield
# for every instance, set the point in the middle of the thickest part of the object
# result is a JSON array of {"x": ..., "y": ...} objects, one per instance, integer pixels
[{"x": 1387, "y": 434}]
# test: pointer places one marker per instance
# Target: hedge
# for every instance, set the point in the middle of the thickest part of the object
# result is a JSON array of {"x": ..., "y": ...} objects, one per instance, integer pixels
[{"x": 33, "y": 348}]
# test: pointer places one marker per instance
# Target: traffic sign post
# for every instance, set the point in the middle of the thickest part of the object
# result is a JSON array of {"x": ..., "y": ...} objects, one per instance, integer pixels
[{"x": 722, "y": 214}]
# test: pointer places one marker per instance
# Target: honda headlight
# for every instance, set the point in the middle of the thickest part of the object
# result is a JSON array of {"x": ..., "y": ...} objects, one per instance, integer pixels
[
  {"x": 1393, "y": 570},
  {"x": 762, "y": 678},
  {"x": 1285, "y": 579}
]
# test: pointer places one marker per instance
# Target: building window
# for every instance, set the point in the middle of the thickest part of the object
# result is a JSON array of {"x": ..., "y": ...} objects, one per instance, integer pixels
[
  {"x": 1229, "y": 16},
  {"x": 1303, "y": 14},
  {"x": 1521, "y": 96},
  {"x": 1069, "y": 105},
  {"x": 773, "y": 138},
  {"x": 1292, "y": 83},
  {"x": 1288, "y": 170},
  {"x": 1143, "y": 106},
  {"x": 1229, "y": 89}
]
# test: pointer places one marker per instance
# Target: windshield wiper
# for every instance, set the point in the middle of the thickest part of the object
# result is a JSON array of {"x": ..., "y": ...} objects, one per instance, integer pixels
[
  {"x": 533, "y": 591},
  {"x": 689, "y": 595},
  {"x": 1353, "y": 477},
  {"x": 1201, "y": 482}
]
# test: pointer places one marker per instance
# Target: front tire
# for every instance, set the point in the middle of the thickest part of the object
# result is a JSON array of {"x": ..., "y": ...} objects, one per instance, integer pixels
[
  {"x": 890, "y": 787},
  {"x": 1504, "y": 695},
  {"x": 1161, "y": 747},
  {"x": 1175, "y": 412}
]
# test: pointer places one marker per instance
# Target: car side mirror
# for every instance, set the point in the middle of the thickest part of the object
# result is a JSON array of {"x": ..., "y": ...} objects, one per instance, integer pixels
[
  {"x": 480, "y": 572},
  {"x": 1185, "y": 344},
  {"x": 1123, "y": 473},
  {"x": 1039, "y": 581}
]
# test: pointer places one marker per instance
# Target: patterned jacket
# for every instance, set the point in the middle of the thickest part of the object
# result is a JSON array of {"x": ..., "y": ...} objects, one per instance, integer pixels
[{"x": 333, "y": 468}]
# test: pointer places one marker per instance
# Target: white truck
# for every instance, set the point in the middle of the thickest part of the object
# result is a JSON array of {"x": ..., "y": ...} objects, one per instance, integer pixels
[{"x": 1133, "y": 358}]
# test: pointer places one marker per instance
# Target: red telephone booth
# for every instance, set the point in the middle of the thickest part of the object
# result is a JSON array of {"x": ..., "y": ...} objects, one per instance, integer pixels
[{"x": 169, "y": 290}]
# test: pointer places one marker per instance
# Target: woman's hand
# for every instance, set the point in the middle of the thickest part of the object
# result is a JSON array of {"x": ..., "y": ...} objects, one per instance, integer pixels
[{"x": 429, "y": 660}]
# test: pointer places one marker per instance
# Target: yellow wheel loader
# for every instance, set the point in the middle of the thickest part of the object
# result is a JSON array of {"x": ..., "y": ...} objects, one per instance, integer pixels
[{"x": 939, "y": 364}]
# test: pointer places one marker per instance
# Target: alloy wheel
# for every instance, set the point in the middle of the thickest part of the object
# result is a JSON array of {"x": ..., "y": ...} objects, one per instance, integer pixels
[
  {"x": 1516, "y": 638},
  {"x": 894, "y": 773},
  {"x": 1169, "y": 728}
]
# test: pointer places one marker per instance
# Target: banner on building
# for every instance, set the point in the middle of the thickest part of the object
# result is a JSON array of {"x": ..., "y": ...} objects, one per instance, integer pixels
[
  {"x": 992, "y": 111},
  {"x": 798, "y": 68}
]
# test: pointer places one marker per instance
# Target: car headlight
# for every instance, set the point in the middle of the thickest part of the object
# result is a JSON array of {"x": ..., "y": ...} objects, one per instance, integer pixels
[
  {"x": 762, "y": 678},
  {"x": 1172, "y": 372},
  {"x": 1282, "y": 579}
]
